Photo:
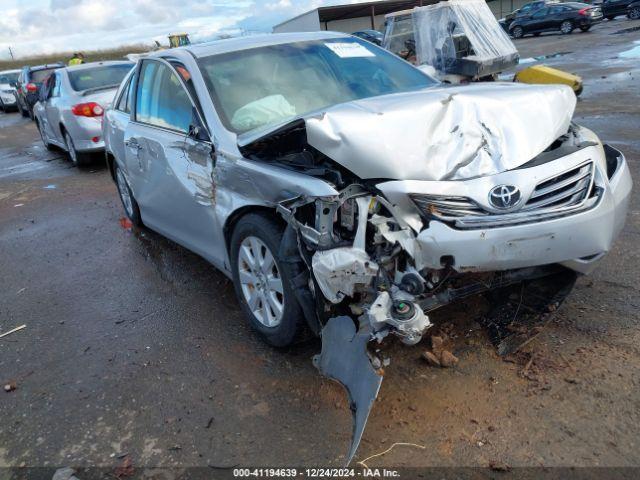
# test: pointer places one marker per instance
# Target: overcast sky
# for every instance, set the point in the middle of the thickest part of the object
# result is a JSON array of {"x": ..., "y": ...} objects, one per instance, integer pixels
[{"x": 49, "y": 26}]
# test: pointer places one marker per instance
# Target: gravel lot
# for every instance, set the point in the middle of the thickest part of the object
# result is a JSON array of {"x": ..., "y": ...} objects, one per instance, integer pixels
[{"x": 136, "y": 346}]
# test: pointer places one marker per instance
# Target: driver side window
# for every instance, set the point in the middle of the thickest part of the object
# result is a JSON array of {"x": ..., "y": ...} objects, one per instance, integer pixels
[
  {"x": 161, "y": 100},
  {"x": 540, "y": 13}
]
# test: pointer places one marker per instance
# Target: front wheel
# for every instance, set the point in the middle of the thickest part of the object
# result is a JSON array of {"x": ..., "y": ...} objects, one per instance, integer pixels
[
  {"x": 634, "y": 13},
  {"x": 262, "y": 283},
  {"x": 517, "y": 32},
  {"x": 129, "y": 203},
  {"x": 566, "y": 27}
]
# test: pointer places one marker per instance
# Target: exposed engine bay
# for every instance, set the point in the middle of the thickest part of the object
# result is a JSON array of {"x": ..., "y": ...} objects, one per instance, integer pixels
[{"x": 360, "y": 274}]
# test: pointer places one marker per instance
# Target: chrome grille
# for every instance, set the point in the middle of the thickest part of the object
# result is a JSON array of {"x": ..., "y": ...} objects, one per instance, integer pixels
[
  {"x": 569, "y": 188},
  {"x": 564, "y": 194}
]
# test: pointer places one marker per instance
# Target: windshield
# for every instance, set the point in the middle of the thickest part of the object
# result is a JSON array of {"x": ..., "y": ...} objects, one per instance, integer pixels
[
  {"x": 266, "y": 86},
  {"x": 98, "y": 77},
  {"x": 9, "y": 78},
  {"x": 38, "y": 76}
]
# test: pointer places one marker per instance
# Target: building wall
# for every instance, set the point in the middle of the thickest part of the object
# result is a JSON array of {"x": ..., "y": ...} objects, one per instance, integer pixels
[
  {"x": 350, "y": 25},
  {"x": 310, "y": 21},
  {"x": 501, "y": 7},
  {"x": 307, "y": 22}
]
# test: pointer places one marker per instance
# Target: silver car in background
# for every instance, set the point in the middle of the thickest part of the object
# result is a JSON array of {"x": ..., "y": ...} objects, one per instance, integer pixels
[
  {"x": 8, "y": 79},
  {"x": 72, "y": 101},
  {"x": 342, "y": 188}
]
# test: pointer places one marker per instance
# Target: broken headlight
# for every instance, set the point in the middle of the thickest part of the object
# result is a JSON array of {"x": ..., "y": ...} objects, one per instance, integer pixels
[{"x": 446, "y": 208}]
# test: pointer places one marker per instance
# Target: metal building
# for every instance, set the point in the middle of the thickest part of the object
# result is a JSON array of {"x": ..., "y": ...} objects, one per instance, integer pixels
[{"x": 368, "y": 15}]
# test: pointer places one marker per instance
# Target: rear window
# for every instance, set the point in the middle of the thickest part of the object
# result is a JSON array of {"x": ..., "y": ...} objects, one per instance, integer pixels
[
  {"x": 98, "y": 77},
  {"x": 38, "y": 76}
]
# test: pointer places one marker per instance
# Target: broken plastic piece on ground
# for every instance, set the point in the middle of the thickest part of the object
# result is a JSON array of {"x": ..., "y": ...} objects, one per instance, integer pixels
[
  {"x": 126, "y": 223},
  {"x": 12, "y": 331},
  {"x": 345, "y": 358}
]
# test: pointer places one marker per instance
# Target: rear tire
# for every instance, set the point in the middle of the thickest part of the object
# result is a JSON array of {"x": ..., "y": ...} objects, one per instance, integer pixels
[
  {"x": 634, "y": 13},
  {"x": 23, "y": 112},
  {"x": 77, "y": 158},
  {"x": 566, "y": 27},
  {"x": 611, "y": 17},
  {"x": 585, "y": 28},
  {"x": 260, "y": 278},
  {"x": 131, "y": 208},
  {"x": 537, "y": 34},
  {"x": 517, "y": 32}
]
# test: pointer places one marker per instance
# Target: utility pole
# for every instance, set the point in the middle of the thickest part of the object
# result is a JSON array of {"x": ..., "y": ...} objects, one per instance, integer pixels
[{"x": 11, "y": 53}]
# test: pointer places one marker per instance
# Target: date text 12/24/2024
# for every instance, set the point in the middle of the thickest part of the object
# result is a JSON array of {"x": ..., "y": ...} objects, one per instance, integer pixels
[{"x": 315, "y": 473}]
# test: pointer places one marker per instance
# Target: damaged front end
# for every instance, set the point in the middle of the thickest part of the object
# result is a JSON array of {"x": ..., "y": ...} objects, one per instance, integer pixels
[{"x": 477, "y": 207}]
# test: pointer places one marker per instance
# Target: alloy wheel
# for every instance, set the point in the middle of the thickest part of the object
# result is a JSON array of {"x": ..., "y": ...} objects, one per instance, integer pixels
[
  {"x": 260, "y": 281},
  {"x": 566, "y": 27},
  {"x": 634, "y": 14},
  {"x": 125, "y": 196},
  {"x": 518, "y": 32}
]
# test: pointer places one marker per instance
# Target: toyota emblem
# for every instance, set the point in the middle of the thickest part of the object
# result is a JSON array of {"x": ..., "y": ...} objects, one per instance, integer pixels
[{"x": 504, "y": 196}]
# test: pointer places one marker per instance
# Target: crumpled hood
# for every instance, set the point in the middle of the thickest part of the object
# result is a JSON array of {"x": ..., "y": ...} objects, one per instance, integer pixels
[{"x": 446, "y": 133}]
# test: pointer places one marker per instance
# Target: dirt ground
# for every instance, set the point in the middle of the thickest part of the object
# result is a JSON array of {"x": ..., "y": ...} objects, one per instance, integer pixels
[{"x": 135, "y": 349}]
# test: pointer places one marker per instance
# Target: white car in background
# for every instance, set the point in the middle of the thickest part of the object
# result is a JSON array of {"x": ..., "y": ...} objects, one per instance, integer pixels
[
  {"x": 8, "y": 80},
  {"x": 72, "y": 101}
]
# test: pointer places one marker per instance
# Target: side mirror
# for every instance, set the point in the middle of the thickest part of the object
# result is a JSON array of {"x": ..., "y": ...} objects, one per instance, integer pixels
[{"x": 196, "y": 130}]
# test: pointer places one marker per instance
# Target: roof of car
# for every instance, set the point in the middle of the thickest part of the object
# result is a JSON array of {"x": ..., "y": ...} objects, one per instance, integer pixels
[
  {"x": 9, "y": 71},
  {"x": 255, "y": 41},
  {"x": 44, "y": 67},
  {"x": 86, "y": 66}
]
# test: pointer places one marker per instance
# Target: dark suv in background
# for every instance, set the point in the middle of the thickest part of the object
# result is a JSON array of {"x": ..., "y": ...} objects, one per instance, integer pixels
[
  {"x": 28, "y": 86},
  {"x": 564, "y": 17}
]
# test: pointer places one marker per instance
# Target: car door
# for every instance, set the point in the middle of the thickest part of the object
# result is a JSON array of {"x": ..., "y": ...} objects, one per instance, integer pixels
[
  {"x": 170, "y": 161},
  {"x": 556, "y": 15},
  {"x": 52, "y": 109},
  {"x": 538, "y": 20},
  {"x": 614, "y": 7},
  {"x": 117, "y": 118}
]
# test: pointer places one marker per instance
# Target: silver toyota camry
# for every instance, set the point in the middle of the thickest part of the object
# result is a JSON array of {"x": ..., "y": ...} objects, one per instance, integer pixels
[
  {"x": 72, "y": 101},
  {"x": 348, "y": 193}
]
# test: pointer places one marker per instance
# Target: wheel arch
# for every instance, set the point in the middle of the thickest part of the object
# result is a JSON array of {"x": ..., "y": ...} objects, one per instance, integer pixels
[{"x": 236, "y": 216}]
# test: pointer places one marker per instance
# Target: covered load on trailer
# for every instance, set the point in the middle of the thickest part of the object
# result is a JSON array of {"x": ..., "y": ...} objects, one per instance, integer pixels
[{"x": 457, "y": 37}]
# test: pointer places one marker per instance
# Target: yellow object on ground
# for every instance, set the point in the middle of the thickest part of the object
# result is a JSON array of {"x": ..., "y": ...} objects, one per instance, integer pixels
[{"x": 538, "y": 74}]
